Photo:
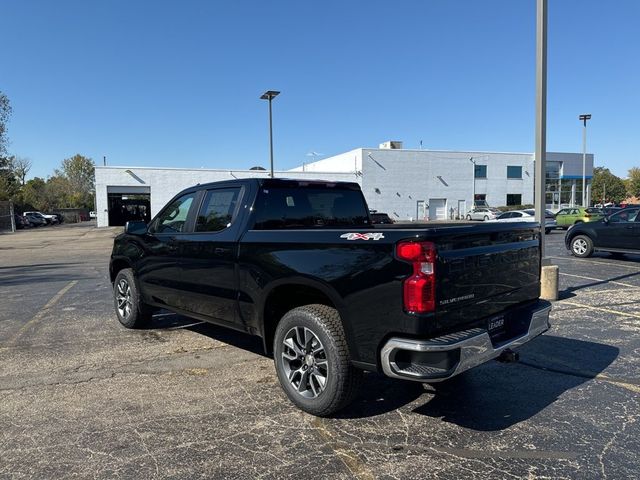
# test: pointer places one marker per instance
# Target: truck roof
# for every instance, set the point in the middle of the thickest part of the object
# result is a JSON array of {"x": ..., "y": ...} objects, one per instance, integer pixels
[{"x": 276, "y": 182}]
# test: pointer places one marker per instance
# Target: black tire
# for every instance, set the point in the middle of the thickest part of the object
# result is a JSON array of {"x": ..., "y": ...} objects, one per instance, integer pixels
[
  {"x": 342, "y": 380},
  {"x": 547, "y": 231},
  {"x": 581, "y": 246},
  {"x": 131, "y": 311}
]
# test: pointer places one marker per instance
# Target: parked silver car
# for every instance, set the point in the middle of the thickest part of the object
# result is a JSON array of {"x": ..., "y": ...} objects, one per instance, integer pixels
[{"x": 482, "y": 213}]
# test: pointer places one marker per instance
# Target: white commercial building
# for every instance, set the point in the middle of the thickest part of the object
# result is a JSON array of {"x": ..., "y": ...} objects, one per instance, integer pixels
[{"x": 406, "y": 184}]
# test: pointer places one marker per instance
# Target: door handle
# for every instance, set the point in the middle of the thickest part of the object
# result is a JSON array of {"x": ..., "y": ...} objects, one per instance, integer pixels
[{"x": 220, "y": 251}]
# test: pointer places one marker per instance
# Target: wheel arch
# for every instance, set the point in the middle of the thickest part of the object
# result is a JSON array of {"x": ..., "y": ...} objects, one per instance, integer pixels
[
  {"x": 116, "y": 265},
  {"x": 287, "y": 294}
]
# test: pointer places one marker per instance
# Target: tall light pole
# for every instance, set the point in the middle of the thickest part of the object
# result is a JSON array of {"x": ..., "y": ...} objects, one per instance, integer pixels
[
  {"x": 541, "y": 118},
  {"x": 270, "y": 95},
  {"x": 584, "y": 118},
  {"x": 473, "y": 198}
]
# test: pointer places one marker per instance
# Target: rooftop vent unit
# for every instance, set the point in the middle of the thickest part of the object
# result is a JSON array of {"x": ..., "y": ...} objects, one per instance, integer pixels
[{"x": 391, "y": 145}]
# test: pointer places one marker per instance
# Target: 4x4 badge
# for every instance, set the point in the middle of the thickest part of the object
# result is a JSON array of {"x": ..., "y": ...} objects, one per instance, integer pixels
[{"x": 362, "y": 236}]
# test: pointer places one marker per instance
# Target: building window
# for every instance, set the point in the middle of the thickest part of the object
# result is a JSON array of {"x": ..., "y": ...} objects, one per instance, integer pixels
[
  {"x": 514, "y": 199},
  {"x": 480, "y": 171},
  {"x": 514, "y": 171},
  {"x": 480, "y": 200}
]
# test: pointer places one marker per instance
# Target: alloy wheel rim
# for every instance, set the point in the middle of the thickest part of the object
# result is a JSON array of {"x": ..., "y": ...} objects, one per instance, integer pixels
[
  {"x": 580, "y": 246},
  {"x": 123, "y": 298},
  {"x": 304, "y": 362}
]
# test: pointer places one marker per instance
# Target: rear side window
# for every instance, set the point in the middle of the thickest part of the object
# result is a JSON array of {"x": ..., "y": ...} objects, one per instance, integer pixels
[
  {"x": 309, "y": 207},
  {"x": 216, "y": 212}
]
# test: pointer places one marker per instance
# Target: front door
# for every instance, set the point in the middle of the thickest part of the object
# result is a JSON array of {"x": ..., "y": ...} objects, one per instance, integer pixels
[
  {"x": 621, "y": 231},
  {"x": 159, "y": 269}
]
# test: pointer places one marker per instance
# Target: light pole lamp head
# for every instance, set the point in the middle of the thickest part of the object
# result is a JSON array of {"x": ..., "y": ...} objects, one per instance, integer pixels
[
  {"x": 269, "y": 95},
  {"x": 584, "y": 117}
]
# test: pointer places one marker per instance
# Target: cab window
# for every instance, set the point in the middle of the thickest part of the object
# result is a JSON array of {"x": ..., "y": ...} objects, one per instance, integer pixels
[{"x": 173, "y": 218}]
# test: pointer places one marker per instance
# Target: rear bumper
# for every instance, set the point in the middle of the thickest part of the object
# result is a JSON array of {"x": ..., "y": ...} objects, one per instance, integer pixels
[{"x": 444, "y": 357}]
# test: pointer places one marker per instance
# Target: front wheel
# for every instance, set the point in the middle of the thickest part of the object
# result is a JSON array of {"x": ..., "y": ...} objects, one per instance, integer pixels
[
  {"x": 312, "y": 360},
  {"x": 581, "y": 246},
  {"x": 547, "y": 231},
  {"x": 468, "y": 217},
  {"x": 486, "y": 218},
  {"x": 132, "y": 312}
]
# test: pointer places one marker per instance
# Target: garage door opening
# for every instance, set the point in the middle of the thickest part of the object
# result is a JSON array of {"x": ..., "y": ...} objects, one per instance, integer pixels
[{"x": 125, "y": 207}]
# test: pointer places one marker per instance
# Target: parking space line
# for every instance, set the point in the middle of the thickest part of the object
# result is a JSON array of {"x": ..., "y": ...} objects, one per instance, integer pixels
[
  {"x": 601, "y": 309},
  {"x": 599, "y": 280},
  {"x": 42, "y": 312},
  {"x": 637, "y": 267}
]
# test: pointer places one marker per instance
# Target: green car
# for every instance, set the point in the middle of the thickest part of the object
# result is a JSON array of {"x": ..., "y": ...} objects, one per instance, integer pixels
[{"x": 570, "y": 216}]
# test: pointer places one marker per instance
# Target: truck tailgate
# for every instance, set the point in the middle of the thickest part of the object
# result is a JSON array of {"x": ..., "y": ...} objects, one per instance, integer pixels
[{"x": 481, "y": 273}]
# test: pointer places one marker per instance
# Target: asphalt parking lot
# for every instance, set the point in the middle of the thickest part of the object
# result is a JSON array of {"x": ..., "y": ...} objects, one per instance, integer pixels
[{"x": 80, "y": 396}]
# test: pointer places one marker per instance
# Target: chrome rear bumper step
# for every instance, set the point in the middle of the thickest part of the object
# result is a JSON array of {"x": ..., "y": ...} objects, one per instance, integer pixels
[{"x": 449, "y": 355}]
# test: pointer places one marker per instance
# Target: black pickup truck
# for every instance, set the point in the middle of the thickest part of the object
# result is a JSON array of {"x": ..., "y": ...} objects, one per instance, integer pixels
[{"x": 300, "y": 264}]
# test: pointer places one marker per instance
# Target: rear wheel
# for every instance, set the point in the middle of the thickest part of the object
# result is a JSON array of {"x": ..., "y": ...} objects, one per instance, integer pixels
[
  {"x": 132, "y": 312},
  {"x": 312, "y": 360},
  {"x": 581, "y": 246},
  {"x": 468, "y": 217},
  {"x": 547, "y": 231}
]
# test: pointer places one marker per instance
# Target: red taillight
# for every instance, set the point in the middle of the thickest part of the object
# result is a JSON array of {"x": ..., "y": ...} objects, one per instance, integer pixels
[{"x": 419, "y": 290}]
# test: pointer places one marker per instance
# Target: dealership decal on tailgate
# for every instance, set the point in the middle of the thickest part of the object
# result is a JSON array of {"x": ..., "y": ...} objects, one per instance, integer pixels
[{"x": 362, "y": 236}]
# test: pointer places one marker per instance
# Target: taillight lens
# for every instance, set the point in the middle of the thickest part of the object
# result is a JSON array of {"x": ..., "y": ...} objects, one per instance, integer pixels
[{"x": 419, "y": 290}]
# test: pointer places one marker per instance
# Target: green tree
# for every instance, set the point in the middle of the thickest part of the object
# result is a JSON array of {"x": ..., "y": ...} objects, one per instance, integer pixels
[
  {"x": 606, "y": 187},
  {"x": 9, "y": 186},
  {"x": 5, "y": 113},
  {"x": 34, "y": 195},
  {"x": 80, "y": 172},
  {"x": 633, "y": 182}
]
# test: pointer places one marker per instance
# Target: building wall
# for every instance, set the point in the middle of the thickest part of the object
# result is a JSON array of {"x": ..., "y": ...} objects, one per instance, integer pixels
[
  {"x": 345, "y": 162},
  {"x": 164, "y": 183},
  {"x": 394, "y": 181}
]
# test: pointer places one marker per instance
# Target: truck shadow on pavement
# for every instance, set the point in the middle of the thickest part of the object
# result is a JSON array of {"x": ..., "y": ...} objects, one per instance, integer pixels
[
  {"x": 172, "y": 321},
  {"x": 497, "y": 396},
  {"x": 491, "y": 397}
]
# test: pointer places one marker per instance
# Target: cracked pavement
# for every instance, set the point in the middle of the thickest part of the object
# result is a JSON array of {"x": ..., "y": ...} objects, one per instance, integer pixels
[{"x": 80, "y": 396}]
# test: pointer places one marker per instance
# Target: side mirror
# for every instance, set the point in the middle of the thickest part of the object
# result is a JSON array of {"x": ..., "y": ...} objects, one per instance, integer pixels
[{"x": 135, "y": 228}]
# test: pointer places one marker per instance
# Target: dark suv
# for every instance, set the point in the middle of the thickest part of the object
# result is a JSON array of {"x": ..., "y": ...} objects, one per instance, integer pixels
[{"x": 618, "y": 233}]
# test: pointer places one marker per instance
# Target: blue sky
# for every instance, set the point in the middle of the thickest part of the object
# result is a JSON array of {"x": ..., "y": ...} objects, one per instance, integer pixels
[{"x": 161, "y": 83}]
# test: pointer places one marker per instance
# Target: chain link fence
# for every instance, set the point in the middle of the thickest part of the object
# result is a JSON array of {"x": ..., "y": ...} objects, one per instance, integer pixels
[{"x": 7, "y": 222}]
